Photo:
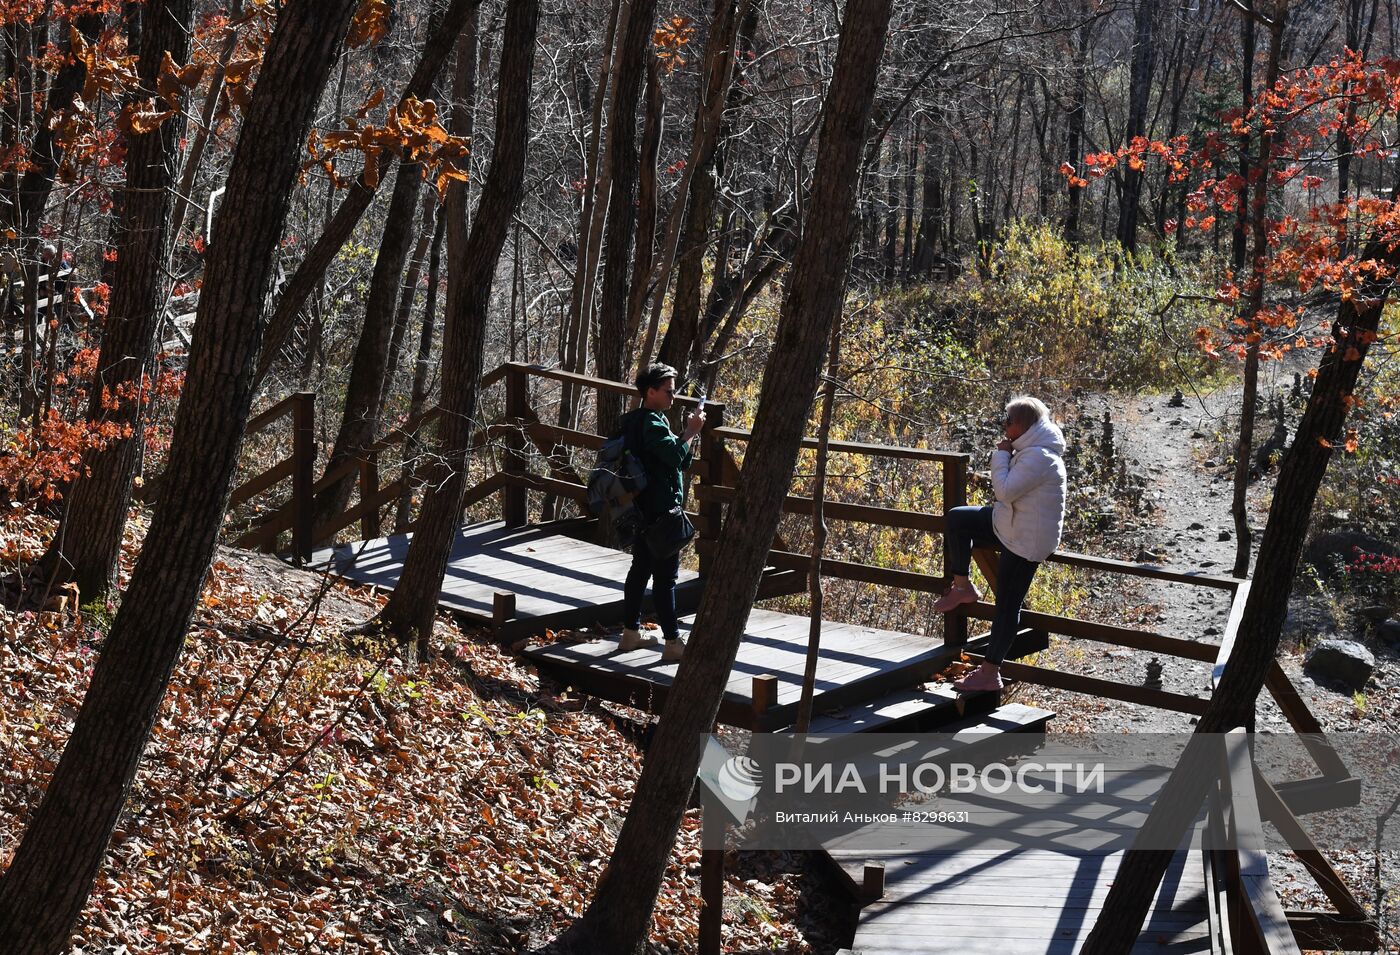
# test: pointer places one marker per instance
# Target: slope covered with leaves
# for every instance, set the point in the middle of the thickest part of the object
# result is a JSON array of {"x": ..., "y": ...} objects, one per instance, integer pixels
[{"x": 302, "y": 792}]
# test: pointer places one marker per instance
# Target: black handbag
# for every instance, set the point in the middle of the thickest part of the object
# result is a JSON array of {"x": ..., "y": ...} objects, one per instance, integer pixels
[{"x": 666, "y": 535}]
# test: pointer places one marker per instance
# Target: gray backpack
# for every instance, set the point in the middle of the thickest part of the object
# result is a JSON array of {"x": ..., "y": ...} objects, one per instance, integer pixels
[{"x": 616, "y": 480}]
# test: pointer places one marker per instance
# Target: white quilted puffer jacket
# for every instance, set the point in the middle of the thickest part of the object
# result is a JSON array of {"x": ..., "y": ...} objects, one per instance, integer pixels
[{"x": 1029, "y": 482}]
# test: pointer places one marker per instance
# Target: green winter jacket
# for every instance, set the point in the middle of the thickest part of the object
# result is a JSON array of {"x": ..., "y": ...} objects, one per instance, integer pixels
[{"x": 665, "y": 457}]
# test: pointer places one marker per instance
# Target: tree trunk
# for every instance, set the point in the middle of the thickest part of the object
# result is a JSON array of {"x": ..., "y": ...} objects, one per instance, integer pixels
[
  {"x": 931, "y": 207},
  {"x": 1144, "y": 53},
  {"x": 357, "y": 199},
  {"x": 645, "y": 252},
  {"x": 472, "y": 260},
  {"x": 1255, "y": 301},
  {"x": 619, "y": 918},
  {"x": 408, "y": 292},
  {"x": 611, "y": 345},
  {"x": 88, "y": 541},
  {"x": 360, "y": 419},
  {"x": 709, "y": 120},
  {"x": 185, "y": 190},
  {"x": 683, "y": 330},
  {"x": 418, "y": 396},
  {"x": 597, "y": 180},
  {"x": 49, "y": 880},
  {"x": 28, "y": 194},
  {"x": 1257, "y": 640}
]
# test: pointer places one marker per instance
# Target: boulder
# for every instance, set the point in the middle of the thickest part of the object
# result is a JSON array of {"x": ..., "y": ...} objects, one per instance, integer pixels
[
  {"x": 1343, "y": 663},
  {"x": 1388, "y": 633}
]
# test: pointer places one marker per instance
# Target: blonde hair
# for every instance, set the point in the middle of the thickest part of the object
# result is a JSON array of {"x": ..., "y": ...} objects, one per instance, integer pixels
[{"x": 1026, "y": 411}]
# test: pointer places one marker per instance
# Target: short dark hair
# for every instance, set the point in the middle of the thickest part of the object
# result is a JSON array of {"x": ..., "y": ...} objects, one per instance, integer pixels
[{"x": 652, "y": 377}]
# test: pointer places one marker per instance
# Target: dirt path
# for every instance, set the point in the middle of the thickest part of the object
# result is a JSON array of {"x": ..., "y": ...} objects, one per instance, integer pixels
[{"x": 1184, "y": 522}]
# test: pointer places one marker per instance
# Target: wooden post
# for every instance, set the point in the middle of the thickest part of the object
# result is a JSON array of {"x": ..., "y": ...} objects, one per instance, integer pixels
[
  {"x": 711, "y": 880},
  {"x": 502, "y": 607},
  {"x": 711, "y": 473},
  {"x": 369, "y": 496},
  {"x": 513, "y": 496},
  {"x": 873, "y": 882},
  {"x": 765, "y": 693},
  {"x": 954, "y": 495},
  {"x": 304, "y": 473}
]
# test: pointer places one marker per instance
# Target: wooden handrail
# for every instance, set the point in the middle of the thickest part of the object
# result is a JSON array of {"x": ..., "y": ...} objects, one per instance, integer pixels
[
  {"x": 848, "y": 570},
  {"x": 835, "y": 510},
  {"x": 263, "y": 419},
  {"x": 856, "y": 447},
  {"x": 586, "y": 381},
  {"x": 1149, "y": 571},
  {"x": 1103, "y": 633}
]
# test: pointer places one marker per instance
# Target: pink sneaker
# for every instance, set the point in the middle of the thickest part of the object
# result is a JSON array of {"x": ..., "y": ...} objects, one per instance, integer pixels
[
  {"x": 984, "y": 679},
  {"x": 955, "y": 597}
]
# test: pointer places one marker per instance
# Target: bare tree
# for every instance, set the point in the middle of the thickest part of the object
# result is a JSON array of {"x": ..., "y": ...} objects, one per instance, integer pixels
[
  {"x": 48, "y": 881},
  {"x": 472, "y": 261},
  {"x": 619, "y": 918}
]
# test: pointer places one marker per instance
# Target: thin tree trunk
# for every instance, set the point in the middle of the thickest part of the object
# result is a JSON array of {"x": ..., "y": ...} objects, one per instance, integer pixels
[
  {"x": 48, "y": 881},
  {"x": 360, "y": 418},
  {"x": 681, "y": 340},
  {"x": 645, "y": 252},
  {"x": 357, "y": 199},
  {"x": 814, "y": 572},
  {"x": 184, "y": 192},
  {"x": 422, "y": 368},
  {"x": 1255, "y": 302},
  {"x": 87, "y": 544},
  {"x": 1144, "y": 53},
  {"x": 709, "y": 118},
  {"x": 610, "y": 346},
  {"x": 407, "y": 293},
  {"x": 597, "y": 186},
  {"x": 619, "y": 918},
  {"x": 472, "y": 260}
]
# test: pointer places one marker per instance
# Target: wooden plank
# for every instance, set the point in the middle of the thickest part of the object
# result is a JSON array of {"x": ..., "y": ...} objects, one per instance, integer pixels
[
  {"x": 1103, "y": 688},
  {"x": 1232, "y": 626},
  {"x": 255, "y": 486},
  {"x": 1149, "y": 571},
  {"x": 840, "y": 511},
  {"x": 265, "y": 418},
  {"x": 1332, "y": 884},
  {"x": 854, "y": 447},
  {"x": 1102, "y": 632}
]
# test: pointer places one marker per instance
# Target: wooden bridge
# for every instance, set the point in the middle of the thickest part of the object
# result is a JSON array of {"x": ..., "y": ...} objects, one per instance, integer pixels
[{"x": 527, "y": 578}]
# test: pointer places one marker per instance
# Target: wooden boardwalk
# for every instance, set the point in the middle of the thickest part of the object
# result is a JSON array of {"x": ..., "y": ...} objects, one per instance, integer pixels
[
  {"x": 1020, "y": 879},
  {"x": 856, "y": 664},
  {"x": 553, "y": 580},
  {"x": 1007, "y": 901}
]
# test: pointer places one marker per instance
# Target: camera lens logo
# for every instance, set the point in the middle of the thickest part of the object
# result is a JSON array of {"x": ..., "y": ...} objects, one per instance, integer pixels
[{"x": 740, "y": 778}]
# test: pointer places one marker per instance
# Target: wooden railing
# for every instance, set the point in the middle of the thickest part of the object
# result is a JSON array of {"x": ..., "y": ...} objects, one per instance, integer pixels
[
  {"x": 299, "y": 466},
  {"x": 1248, "y": 917}
]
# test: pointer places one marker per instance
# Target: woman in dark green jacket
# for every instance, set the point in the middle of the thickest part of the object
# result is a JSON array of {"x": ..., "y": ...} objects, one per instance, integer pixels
[{"x": 665, "y": 456}]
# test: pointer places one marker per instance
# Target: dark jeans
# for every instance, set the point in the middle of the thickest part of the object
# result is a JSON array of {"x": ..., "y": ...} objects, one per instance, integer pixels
[
  {"x": 970, "y": 527},
  {"x": 662, "y": 574}
]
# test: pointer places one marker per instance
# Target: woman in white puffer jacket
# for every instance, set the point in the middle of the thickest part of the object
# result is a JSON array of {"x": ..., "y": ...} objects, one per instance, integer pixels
[{"x": 1028, "y": 478}]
